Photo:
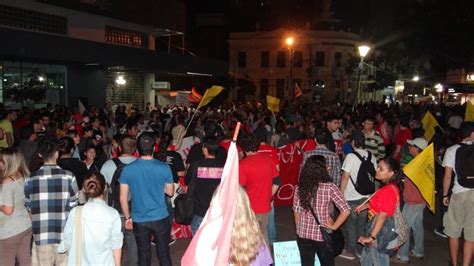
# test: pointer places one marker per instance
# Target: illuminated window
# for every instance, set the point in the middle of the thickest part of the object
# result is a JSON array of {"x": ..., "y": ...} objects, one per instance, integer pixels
[{"x": 123, "y": 36}]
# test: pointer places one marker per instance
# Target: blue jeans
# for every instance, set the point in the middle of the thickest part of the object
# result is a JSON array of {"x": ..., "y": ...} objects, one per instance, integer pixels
[
  {"x": 195, "y": 223},
  {"x": 413, "y": 214},
  {"x": 271, "y": 226},
  {"x": 161, "y": 230},
  {"x": 354, "y": 227},
  {"x": 130, "y": 245},
  {"x": 372, "y": 257}
]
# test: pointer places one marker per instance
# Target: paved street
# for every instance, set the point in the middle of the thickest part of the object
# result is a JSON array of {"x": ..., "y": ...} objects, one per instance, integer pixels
[{"x": 436, "y": 248}]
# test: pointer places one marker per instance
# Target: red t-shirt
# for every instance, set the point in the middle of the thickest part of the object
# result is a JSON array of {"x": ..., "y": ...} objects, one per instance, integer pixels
[
  {"x": 384, "y": 200},
  {"x": 256, "y": 173},
  {"x": 401, "y": 138},
  {"x": 269, "y": 151}
]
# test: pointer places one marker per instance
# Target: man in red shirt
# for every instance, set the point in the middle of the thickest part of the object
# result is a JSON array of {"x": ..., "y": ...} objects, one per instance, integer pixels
[
  {"x": 260, "y": 178},
  {"x": 401, "y": 139}
]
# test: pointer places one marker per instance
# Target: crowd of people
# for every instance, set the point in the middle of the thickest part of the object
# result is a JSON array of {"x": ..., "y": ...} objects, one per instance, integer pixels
[{"x": 77, "y": 187}]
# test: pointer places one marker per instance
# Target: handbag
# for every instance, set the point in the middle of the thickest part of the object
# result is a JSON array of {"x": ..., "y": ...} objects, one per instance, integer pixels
[
  {"x": 78, "y": 232},
  {"x": 333, "y": 239},
  {"x": 184, "y": 206}
]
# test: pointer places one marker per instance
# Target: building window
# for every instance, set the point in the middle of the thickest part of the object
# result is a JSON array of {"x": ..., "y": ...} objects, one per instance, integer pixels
[
  {"x": 281, "y": 59},
  {"x": 338, "y": 59},
  {"x": 123, "y": 36},
  {"x": 242, "y": 59},
  {"x": 265, "y": 58},
  {"x": 263, "y": 88},
  {"x": 281, "y": 89},
  {"x": 320, "y": 59},
  {"x": 32, "y": 20},
  {"x": 298, "y": 59}
]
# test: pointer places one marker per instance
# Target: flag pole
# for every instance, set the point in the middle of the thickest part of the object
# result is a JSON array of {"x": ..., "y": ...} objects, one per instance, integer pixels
[{"x": 236, "y": 132}]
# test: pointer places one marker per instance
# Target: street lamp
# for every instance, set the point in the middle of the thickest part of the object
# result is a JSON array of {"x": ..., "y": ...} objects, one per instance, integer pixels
[
  {"x": 416, "y": 78},
  {"x": 363, "y": 51},
  {"x": 289, "y": 43},
  {"x": 439, "y": 90}
]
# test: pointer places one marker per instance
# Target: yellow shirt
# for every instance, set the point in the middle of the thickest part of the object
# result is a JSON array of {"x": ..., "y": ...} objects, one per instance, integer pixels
[{"x": 7, "y": 127}]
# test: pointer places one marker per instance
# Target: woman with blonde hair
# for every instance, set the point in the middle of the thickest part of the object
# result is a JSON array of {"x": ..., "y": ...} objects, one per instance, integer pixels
[
  {"x": 15, "y": 223},
  {"x": 247, "y": 243},
  {"x": 100, "y": 242}
]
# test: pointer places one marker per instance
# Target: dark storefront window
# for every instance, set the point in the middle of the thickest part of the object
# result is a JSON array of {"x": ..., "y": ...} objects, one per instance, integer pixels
[
  {"x": 281, "y": 88},
  {"x": 320, "y": 58},
  {"x": 265, "y": 58},
  {"x": 263, "y": 88},
  {"x": 298, "y": 59},
  {"x": 281, "y": 59},
  {"x": 29, "y": 83},
  {"x": 242, "y": 59},
  {"x": 32, "y": 20}
]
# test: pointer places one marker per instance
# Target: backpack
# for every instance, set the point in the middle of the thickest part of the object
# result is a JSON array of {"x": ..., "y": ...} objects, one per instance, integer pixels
[
  {"x": 464, "y": 166},
  {"x": 365, "y": 183},
  {"x": 184, "y": 206},
  {"x": 113, "y": 195}
]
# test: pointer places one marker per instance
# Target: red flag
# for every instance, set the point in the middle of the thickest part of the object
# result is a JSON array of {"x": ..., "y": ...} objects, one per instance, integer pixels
[
  {"x": 194, "y": 96},
  {"x": 211, "y": 244},
  {"x": 298, "y": 91}
]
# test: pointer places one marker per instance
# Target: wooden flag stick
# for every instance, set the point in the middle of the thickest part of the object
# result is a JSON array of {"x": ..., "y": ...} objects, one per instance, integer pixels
[{"x": 236, "y": 132}]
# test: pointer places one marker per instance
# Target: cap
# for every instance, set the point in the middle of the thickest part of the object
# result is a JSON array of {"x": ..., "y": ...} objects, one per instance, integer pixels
[
  {"x": 358, "y": 136},
  {"x": 418, "y": 142}
]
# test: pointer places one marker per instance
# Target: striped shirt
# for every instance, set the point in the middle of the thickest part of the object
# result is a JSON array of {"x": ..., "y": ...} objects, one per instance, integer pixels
[
  {"x": 374, "y": 143},
  {"x": 51, "y": 192},
  {"x": 332, "y": 160}
]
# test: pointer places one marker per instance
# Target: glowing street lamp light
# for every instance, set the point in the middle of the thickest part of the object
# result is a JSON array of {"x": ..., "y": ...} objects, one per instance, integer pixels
[
  {"x": 416, "y": 78},
  {"x": 439, "y": 88},
  {"x": 289, "y": 42},
  {"x": 120, "y": 80},
  {"x": 363, "y": 51}
]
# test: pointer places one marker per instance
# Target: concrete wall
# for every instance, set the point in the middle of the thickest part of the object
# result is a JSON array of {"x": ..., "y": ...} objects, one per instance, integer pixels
[{"x": 88, "y": 85}]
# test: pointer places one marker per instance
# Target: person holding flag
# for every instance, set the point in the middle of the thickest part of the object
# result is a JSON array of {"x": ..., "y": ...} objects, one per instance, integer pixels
[{"x": 413, "y": 209}]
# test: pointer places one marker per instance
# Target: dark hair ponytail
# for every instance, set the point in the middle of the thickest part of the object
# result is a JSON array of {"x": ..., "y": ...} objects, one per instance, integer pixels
[
  {"x": 94, "y": 185},
  {"x": 394, "y": 166}
]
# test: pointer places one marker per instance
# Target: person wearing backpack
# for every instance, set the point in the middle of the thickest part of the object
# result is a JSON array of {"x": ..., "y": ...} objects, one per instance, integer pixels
[
  {"x": 459, "y": 159},
  {"x": 111, "y": 170},
  {"x": 357, "y": 183}
]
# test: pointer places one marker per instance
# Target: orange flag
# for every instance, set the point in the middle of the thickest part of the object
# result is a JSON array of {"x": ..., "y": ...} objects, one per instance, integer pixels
[{"x": 298, "y": 91}]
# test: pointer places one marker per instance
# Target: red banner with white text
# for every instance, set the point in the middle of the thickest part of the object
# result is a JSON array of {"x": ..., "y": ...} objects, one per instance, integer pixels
[{"x": 290, "y": 158}]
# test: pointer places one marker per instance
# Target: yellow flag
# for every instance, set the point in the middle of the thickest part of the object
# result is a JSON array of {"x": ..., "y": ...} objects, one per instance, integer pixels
[
  {"x": 421, "y": 171},
  {"x": 429, "y": 125},
  {"x": 209, "y": 95},
  {"x": 469, "y": 112},
  {"x": 273, "y": 104}
]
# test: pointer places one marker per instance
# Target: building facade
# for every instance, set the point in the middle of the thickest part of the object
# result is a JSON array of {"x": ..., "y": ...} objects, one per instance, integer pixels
[
  {"x": 318, "y": 61},
  {"x": 59, "y": 55}
]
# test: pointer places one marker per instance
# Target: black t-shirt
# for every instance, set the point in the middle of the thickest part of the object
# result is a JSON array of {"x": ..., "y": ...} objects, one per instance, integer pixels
[
  {"x": 77, "y": 167},
  {"x": 175, "y": 161},
  {"x": 195, "y": 154},
  {"x": 206, "y": 174}
]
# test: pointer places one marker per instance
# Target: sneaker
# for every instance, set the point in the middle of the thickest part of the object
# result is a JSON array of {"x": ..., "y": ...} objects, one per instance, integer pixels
[
  {"x": 414, "y": 255},
  {"x": 440, "y": 232},
  {"x": 358, "y": 255},
  {"x": 397, "y": 260},
  {"x": 172, "y": 241},
  {"x": 153, "y": 243},
  {"x": 347, "y": 255}
]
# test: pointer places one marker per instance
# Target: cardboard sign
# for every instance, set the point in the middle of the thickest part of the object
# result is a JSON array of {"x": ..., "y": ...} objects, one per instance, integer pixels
[{"x": 287, "y": 254}]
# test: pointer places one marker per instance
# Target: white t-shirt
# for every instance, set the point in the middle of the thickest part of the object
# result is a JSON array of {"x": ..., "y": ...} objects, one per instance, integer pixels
[
  {"x": 455, "y": 121},
  {"x": 351, "y": 165},
  {"x": 450, "y": 161}
]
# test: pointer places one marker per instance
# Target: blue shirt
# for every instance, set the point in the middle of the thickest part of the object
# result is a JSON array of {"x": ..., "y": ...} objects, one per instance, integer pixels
[{"x": 146, "y": 180}]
